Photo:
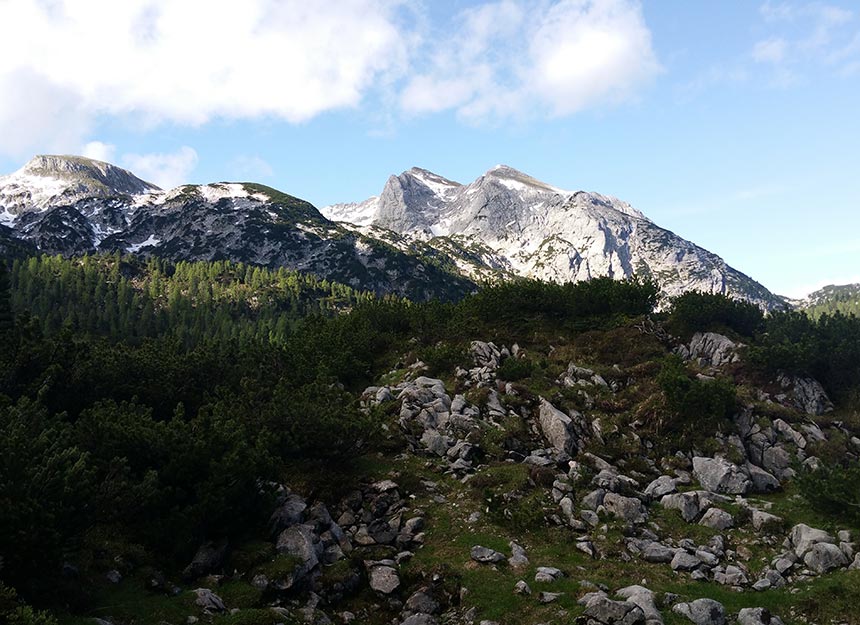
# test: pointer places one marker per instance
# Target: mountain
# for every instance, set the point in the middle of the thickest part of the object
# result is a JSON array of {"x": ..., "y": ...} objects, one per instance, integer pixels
[
  {"x": 72, "y": 205},
  {"x": 507, "y": 223},
  {"x": 833, "y": 298}
]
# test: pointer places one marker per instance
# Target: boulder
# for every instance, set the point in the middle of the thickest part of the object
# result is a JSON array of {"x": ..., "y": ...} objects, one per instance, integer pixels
[
  {"x": 629, "y": 509},
  {"x": 605, "y": 611},
  {"x": 209, "y": 601},
  {"x": 710, "y": 349},
  {"x": 702, "y": 611},
  {"x": 383, "y": 576},
  {"x": 546, "y": 574},
  {"x": 518, "y": 559},
  {"x": 557, "y": 427},
  {"x": 663, "y": 485},
  {"x": 644, "y": 600},
  {"x": 805, "y": 394},
  {"x": 823, "y": 557},
  {"x": 762, "y": 481},
  {"x": 485, "y": 555},
  {"x": 757, "y": 616},
  {"x": 299, "y": 542},
  {"x": 718, "y": 475},
  {"x": 802, "y": 538},
  {"x": 683, "y": 561},
  {"x": 717, "y": 519}
]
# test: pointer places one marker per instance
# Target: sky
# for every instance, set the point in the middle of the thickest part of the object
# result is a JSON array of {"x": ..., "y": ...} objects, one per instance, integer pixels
[{"x": 734, "y": 124}]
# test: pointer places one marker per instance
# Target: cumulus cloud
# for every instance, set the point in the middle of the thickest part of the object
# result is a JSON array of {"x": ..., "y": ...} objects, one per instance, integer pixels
[
  {"x": 515, "y": 58},
  {"x": 99, "y": 151},
  {"x": 167, "y": 170},
  {"x": 66, "y": 65},
  {"x": 65, "y": 62}
]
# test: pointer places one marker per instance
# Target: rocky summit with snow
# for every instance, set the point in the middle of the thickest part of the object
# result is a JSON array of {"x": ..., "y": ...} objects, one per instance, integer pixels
[
  {"x": 71, "y": 205},
  {"x": 423, "y": 237},
  {"x": 511, "y": 224}
]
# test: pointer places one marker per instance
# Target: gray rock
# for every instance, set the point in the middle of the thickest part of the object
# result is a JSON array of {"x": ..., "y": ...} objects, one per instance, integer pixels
[
  {"x": 627, "y": 508},
  {"x": 420, "y": 619},
  {"x": 299, "y": 542},
  {"x": 549, "y": 597},
  {"x": 604, "y": 611},
  {"x": 763, "y": 520},
  {"x": 656, "y": 552},
  {"x": 824, "y": 557},
  {"x": 806, "y": 394},
  {"x": 644, "y": 600},
  {"x": 663, "y": 485},
  {"x": 710, "y": 349},
  {"x": 702, "y": 611},
  {"x": 522, "y": 588},
  {"x": 209, "y": 601},
  {"x": 762, "y": 481},
  {"x": 594, "y": 499},
  {"x": 547, "y": 574},
  {"x": 485, "y": 555},
  {"x": 290, "y": 512},
  {"x": 802, "y": 538},
  {"x": 689, "y": 504},
  {"x": 683, "y": 561},
  {"x": 518, "y": 559},
  {"x": 421, "y": 602},
  {"x": 717, "y": 519},
  {"x": 757, "y": 616},
  {"x": 383, "y": 576},
  {"x": 557, "y": 427},
  {"x": 718, "y": 475},
  {"x": 731, "y": 576}
]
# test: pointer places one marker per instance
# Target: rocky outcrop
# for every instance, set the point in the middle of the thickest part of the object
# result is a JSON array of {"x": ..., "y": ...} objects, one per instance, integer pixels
[{"x": 710, "y": 349}]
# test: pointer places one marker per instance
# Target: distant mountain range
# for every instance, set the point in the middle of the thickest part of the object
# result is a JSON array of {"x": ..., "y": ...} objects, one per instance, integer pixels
[
  {"x": 833, "y": 298},
  {"x": 424, "y": 236}
]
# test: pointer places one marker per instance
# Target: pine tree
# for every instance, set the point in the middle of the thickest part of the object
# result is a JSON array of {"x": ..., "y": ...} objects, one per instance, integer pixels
[{"x": 6, "y": 318}]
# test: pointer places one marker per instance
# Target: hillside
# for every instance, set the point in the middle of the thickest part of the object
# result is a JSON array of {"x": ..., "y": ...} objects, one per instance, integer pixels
[
  {"x": 833, "y": 298},
  {"x": 535, "y": 453}
]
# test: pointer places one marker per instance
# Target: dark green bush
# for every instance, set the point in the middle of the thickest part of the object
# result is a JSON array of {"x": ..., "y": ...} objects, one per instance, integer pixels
[
  {"x": 697, "y": 408},
  {"x": 513, "y": 369},
  {"x": 833, "y": 490},
  {"x": 697, "y": 311}
]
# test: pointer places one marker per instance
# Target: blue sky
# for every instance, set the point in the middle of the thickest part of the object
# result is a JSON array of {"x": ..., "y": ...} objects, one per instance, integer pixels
[{"x": 734, "y": 124}]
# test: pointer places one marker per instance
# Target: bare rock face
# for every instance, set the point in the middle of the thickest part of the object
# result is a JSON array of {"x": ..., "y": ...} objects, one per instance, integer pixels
[
  {"x": 516, "y": 225},
  {"x": 710, "y": 349},
  {"x": 805, "y": 394}
]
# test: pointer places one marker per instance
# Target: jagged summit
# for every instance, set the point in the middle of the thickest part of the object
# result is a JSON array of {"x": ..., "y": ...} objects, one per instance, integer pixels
[{"x": 509, "y": 222}]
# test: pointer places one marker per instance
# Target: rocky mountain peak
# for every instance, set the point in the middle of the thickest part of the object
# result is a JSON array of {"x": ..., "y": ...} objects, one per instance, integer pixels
[
  {"x": 47, "y": 181},
  {"x": 96, "y": 175}
]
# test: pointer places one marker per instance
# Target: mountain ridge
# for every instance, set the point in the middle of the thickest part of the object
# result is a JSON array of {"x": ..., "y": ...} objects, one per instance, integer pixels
[
  {"x": 423, "y": 236},
  {"x": 538, "y": 230}
]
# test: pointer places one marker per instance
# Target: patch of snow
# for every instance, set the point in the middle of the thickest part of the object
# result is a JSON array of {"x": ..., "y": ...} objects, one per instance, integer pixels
[
  {"x": 150, "y": 242},
  {"x": 214, "y": 192}
]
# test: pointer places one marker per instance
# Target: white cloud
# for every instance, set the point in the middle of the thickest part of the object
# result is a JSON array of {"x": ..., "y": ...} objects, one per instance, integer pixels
[
  {"x": 167, "y": 170},
  {"x": 188, "y": 61},
  {"x": 99, "y": 151},
  {"x": 812, "y": 36},
  {"x": 514, "y": 58},
  {"x": 770, "y": 50}
]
